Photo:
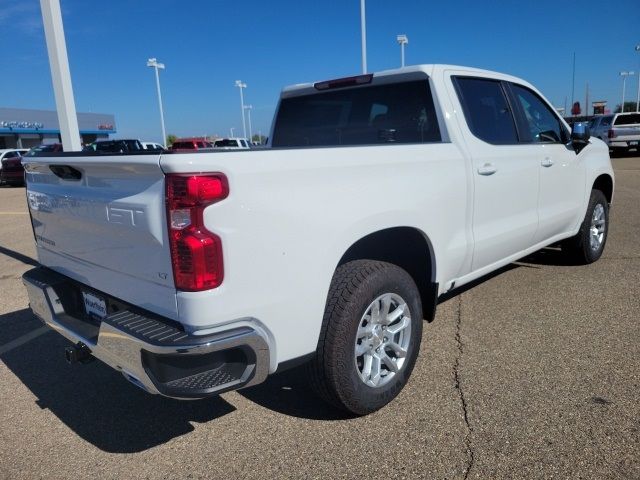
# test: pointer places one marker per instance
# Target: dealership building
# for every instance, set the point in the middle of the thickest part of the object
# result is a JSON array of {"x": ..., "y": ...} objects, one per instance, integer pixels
[{"x": 21, "y": 128}]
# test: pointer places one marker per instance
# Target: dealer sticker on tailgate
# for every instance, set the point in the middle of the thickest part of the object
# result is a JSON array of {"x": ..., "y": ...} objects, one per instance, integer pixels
[{"x": 94, "y": 305}]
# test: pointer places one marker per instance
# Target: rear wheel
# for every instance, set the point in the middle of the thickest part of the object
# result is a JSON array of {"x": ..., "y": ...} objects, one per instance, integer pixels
[
  {"x": 370, "y": 336},
  {"x": 587, "y": 246}
]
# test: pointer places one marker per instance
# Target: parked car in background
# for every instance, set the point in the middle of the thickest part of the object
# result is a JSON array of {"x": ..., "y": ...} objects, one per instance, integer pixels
[
  {"x": 153, "y": 146},
  {"x": 620, "y": 131},
  {"x": 190, "y": 145},
  {"x": 115, "y": 146},
  {"x": 232, "y": 144},
  {"x": 11, "y": 171}
]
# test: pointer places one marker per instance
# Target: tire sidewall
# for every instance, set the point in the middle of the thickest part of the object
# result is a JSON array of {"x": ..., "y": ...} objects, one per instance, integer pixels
[
  {"x": 597, "y": 197},
  {"x": 361, "y": 397}
]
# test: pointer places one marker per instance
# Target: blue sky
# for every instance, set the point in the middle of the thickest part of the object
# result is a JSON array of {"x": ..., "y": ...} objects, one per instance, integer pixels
[{"x": 207, "y": 45}]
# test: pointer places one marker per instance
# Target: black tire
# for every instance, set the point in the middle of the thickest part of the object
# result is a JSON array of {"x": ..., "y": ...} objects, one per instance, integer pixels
[
  {"x": 333, "y": 372},
  {"x": 618, "y": 152},
  {"x": 578, "y": 248}
]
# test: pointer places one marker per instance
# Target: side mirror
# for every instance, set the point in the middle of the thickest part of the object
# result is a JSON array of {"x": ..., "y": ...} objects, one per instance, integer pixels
[{"x": 580, "y": 134}]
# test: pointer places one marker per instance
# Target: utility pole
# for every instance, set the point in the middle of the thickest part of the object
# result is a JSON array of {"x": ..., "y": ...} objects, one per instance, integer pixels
[
  {"x": 586, "y": 101},
  {"x": 60, "y": 75},
  {"x": 402, "y": 41},
  {"x": 573, "y": 82},
  {"x": 638, "y": 97},
  {"x": 248, "y": 109},
  {"x": 153, "y": 63},
  {"x": 363, "y": 34},
  {"x": 241, "y": 86}
]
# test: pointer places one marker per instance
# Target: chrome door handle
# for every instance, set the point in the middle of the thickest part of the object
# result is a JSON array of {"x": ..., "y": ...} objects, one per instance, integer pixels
[
  {"x": 547, "y": 162},
  {"x": 487, "y": 169}
]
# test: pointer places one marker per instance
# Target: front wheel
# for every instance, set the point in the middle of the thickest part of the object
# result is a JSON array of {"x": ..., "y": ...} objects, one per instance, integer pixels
[
  {"x": 370, "y": 336},
  {"x": 587, "y": 246}
]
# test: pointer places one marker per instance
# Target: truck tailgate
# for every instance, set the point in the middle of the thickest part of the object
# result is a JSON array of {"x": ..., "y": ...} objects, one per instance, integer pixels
[{"x": 101, "y": 220}]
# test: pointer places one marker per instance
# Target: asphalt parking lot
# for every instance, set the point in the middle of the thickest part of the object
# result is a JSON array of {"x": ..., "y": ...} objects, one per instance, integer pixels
[{"x": 533, "y": 372}]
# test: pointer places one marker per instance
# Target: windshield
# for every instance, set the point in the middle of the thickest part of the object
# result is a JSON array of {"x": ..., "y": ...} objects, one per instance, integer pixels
[{"x": 41, "y": 148}]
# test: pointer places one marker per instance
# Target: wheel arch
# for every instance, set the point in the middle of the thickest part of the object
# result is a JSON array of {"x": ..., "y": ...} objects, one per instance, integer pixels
[
  {"x": 604, "y": 183},
  {"x": 408, "y": 248}
]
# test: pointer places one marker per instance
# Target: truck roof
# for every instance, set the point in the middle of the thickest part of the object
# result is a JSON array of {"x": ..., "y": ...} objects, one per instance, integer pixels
[{"x": 430, "y": 69}]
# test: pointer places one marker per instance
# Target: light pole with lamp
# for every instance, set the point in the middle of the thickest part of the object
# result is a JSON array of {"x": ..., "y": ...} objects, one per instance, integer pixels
[
  {"x": 241, "y": 85},
  {"x": 624, "y": 76},
  {"x": 248, "y": 109},
  {"x": 153, "y": 63},
  {"x": 363, "y": 34},
  {"x": 402, "y": 41},
  {"x": 638, "y": 97}
]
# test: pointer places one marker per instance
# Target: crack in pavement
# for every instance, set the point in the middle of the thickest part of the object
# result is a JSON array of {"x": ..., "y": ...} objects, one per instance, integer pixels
[{"x": 463, "y": 400}]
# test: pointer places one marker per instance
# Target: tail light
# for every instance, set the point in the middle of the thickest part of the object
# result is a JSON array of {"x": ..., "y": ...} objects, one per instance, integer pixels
[
  {"x": 196, "y": 253},
  {"x": 611, "y": 133}
]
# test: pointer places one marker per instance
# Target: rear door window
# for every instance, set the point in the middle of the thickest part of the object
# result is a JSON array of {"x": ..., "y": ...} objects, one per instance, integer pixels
[
  {"x": 487, "y": 110},
  {"x": 401, "y": 112}
]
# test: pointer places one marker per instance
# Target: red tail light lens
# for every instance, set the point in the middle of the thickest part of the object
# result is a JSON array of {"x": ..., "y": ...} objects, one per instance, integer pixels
[
  {"x": 611, "y": 134},
  {"x": 196, "y": 253}
]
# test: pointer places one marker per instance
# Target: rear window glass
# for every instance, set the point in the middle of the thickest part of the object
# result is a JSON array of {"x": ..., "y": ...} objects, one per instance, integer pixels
[
  {"x": 225, "y": 143},
  {"x": 486, "y": 110},
  {"x": 184, "y": 145},
  {"x": 380, "y": 114},
  {"x": 628, "y": 119},
  {"x": 111, "y": 147}
]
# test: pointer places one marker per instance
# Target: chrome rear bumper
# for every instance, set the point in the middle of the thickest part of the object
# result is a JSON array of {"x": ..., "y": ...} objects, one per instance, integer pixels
[{"x": 151, "y": 352}]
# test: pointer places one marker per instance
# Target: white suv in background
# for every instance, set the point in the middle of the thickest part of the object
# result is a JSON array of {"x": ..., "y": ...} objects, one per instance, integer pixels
[
  {"x": 232, "y": 144},
  {"x": 153, "y": 146}
]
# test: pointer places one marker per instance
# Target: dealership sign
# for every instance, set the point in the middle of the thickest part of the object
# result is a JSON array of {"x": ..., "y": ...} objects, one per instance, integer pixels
[{"x": 35, "y": 125}]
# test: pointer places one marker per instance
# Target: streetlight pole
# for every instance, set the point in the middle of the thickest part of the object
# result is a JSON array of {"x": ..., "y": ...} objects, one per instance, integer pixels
[
  {"x": 363, "y": 34},
  {"x": 60, "y": 75},
  {"x": 231, "y": 130},
  {"x": 638, "y": 97},
  {"x": 153, "y": 63},
  {"x": 624, "y": 76},
  {"x": 241, "y": 85},
  {"x": 248, "y": 109},
  {"x": 402, "y": 41}
]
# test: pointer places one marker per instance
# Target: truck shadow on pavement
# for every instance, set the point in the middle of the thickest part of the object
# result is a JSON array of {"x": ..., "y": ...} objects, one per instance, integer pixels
[
  {"x": 93, "y": 400},
  {"x": 101, "y": 407},
  {"x": 18, "y": 256}
]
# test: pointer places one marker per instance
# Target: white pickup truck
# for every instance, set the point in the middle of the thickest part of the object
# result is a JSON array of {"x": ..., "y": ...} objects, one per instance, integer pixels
[
  {"x": 198, "y": 273},
  {"x": 621, "y": 131}
]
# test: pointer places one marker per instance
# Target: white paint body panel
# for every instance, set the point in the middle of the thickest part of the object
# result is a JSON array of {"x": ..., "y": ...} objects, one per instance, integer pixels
[{"x": 292, "y": 213}]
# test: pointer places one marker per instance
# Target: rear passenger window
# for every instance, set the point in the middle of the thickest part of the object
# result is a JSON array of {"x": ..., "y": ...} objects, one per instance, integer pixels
[
  {"x": 544, "y": 125},
  {"x": 377, "y": 114},
  {"x": 486, "y": 110}
]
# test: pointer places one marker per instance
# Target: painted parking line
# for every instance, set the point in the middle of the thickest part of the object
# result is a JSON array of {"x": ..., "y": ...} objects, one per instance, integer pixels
[
  {"x": 27, "y": 337},
  {"x": 14, "y": 213}
]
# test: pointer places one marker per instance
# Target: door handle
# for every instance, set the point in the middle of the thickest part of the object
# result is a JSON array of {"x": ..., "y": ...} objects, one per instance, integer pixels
[
  {"x": 547, "y": 162},
  {"x": 487, "y": 169}
]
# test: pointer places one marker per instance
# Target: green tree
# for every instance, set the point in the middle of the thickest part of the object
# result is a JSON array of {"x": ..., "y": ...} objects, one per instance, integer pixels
[
  {"x": 628, "y": 107},
  {"x": 260, "y": 139},
  {"x": 170, "y": 139}
]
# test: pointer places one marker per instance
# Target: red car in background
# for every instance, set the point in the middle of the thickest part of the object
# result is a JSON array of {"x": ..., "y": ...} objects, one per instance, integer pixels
[
  {"x": 11, "y": 170},
  {"x": 191, "y": 145}
]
